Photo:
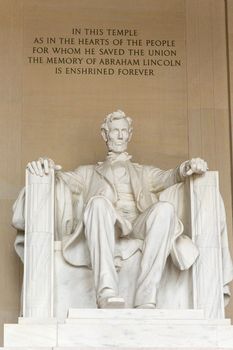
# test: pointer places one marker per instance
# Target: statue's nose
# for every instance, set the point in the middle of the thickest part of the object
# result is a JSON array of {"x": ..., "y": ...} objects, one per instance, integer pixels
[{"x": 120, "y": 135}]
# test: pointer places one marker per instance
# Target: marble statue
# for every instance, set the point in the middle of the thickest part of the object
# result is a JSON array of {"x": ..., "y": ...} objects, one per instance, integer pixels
[
  {"x": 124, "y": 236},
  {"x": 117, "y": 212}
]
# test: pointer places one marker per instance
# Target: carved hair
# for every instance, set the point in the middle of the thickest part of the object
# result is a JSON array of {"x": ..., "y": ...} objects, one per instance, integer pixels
[{"x": 113, "y": 116}]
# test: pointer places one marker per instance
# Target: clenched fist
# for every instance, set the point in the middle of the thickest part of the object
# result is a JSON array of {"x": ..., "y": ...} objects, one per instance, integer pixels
[{"x": 194, "y": 166}]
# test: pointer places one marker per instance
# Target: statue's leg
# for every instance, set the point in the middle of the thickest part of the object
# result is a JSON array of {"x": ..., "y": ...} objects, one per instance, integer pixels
[
  {"x": 99, "y": 221},
  {"x": 158, "y": 224}
]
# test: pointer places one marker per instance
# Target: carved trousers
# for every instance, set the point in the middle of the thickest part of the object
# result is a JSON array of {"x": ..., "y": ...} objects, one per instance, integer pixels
[{"x": 156, "y": 226}]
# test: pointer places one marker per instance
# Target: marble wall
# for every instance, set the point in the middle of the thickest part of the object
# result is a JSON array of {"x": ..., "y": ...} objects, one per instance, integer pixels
[
  {"x": 10, "y": 149},
  {"x": 229, "y": 27},
  {"x": 229, "y": 49},
  {"x": 180, "y": 112}
]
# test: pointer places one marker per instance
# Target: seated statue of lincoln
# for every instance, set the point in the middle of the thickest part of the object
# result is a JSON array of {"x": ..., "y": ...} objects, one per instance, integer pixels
[{"x": 116, "y": 203}]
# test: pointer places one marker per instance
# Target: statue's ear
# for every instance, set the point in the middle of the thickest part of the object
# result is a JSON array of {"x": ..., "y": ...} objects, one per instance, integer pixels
[{"x": 104, "y": 134}]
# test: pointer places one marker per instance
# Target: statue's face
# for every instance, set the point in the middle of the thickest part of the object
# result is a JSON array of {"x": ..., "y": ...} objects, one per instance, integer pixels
[{"x": 118, "y": 135}]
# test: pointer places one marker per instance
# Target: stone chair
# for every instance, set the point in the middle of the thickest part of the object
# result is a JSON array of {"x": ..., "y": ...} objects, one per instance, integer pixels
[{"x": 199, "y": 206}]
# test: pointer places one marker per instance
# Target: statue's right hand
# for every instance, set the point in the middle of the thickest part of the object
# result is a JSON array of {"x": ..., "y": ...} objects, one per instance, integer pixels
[{"x": 42, "y": 166}]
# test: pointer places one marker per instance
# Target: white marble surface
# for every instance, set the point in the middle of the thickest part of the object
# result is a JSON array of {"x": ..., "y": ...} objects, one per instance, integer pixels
[
  {"x": 164, "y": 322},
  {"x": 37, "y": 321},
  {"x": 136, "y": 334},
  {"x": 225, "y": 337},
  {"x": 132, "y": 328},
  {"x": 135, "y": 314},
  {"x": 30, "y": 335},
  {"x": 206, "y": 233},
  {"x": 38, "y": 253}
]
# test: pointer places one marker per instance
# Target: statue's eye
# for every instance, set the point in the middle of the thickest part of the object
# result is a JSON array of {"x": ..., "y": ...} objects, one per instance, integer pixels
[{"x": 114, "y": 132}]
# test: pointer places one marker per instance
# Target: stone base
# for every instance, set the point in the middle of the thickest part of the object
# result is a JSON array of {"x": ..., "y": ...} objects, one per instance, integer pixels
[{"x": 122, "y": 328}]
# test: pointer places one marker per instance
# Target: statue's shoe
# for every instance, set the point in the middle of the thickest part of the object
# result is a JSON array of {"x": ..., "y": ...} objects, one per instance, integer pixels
[
  {"x": 146, "y": 306},
  {"x": 111, "y": 303}
]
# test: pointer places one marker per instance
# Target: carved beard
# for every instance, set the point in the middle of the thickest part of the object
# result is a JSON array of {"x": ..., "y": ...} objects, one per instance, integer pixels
[{"x": 117, "y": 148}]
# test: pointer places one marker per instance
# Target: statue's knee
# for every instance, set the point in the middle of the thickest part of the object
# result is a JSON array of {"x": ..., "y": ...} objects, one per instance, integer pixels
[
  {"x": 164, "y": 208},
  {"x": 96, "y": 206},
  {"x": 98, "y": 202}
]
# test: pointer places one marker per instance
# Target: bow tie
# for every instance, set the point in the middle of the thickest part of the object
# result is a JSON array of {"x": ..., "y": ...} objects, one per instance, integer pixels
[{"x": 121, "y": 157}]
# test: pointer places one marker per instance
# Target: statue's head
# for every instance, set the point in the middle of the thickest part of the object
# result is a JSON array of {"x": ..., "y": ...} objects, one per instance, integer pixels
[{"x": 117, "y": 131}]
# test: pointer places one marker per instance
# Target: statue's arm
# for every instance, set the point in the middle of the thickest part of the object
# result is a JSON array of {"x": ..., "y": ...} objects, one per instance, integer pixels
[
  {"x": 68, "y": 186},
  {"x": 75, "y": 180},
  {"x": 162, "y": 179}
]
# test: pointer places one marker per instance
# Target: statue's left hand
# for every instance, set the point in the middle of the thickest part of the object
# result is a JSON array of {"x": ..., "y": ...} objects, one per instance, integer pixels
[{"x": 195, "y": 166}]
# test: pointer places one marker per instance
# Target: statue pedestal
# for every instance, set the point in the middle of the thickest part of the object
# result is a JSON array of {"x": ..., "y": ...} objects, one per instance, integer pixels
[{"x": 125, "y": 328}]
